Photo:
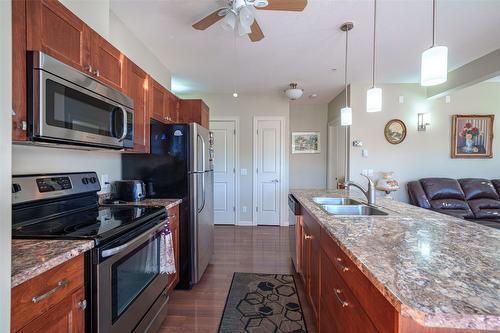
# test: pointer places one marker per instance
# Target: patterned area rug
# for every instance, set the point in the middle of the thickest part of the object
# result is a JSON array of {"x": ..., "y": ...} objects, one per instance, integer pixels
[{"x": 262, "y": 303}]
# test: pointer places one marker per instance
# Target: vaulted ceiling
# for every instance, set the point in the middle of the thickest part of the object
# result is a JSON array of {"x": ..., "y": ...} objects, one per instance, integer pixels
[{"x": 304, "y": 47}]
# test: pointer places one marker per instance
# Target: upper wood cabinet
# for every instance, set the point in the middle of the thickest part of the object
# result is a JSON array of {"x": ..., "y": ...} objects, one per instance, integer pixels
[
  {"x": 54, "y": 30},
  {"x": 173, "y": 107},
  {"x": 138, "y": 89},
  {"x": 194, "y": 110},
  {"x": 108, "y": 63},
  {"x": 164, "y": 105}
]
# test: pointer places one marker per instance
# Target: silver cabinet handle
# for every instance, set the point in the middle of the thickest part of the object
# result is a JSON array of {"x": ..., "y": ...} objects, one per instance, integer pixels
[
  {"x": 82, "y": 304},
  {"x": 97, "y": 73},
  {"x": 342, "y": 267},
  {"x": 61, "y": 284},
  {"x": 342, "y": 302},
  {"x": 88, "y": 68}
]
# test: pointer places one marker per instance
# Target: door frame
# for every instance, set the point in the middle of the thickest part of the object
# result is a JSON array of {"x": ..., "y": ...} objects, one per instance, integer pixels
[
  {"x": 284, "y": 179},
  {"x": 236, "y": 121}
]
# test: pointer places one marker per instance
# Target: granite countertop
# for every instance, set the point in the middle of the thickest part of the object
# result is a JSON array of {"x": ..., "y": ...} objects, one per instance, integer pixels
[
  {"x": 32, "y": 257},
  {"x": 167, "y": 203},
  {"x": 438, "y": 270}
]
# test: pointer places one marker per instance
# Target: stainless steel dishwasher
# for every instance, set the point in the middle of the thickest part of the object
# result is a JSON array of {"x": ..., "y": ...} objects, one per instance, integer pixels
[{"x": 294, "y": 214}]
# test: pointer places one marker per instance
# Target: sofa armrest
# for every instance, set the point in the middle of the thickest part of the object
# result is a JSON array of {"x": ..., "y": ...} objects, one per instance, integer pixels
[{"x": 417, "y": 195}]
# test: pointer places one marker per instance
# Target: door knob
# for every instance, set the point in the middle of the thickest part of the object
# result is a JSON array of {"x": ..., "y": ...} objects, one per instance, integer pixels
[{"x": 275, "y": 181}]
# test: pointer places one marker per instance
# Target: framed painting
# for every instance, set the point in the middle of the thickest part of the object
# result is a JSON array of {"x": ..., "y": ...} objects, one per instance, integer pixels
[
  {"x": 306, "y": 143},
  {"x": 472, "y": 136},
  {"x": 395, "y": 131}
]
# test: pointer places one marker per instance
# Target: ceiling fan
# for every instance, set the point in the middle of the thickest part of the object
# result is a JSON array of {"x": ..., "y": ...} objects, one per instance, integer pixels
[{"x": 240, "y": 14}]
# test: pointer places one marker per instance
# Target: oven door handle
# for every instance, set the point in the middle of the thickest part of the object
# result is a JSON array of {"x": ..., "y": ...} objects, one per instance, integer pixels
[{"x": 149, "y": 234}]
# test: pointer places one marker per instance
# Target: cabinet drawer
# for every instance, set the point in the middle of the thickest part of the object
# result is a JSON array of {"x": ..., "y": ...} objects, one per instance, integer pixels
[
  {"x": 381, "y": 312},
  {"x": 34, "y": 297},
  {"x": 339, "y": 303}
]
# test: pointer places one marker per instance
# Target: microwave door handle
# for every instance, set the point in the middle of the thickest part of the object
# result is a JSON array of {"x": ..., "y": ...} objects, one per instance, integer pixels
[{"x": 125, "y": 127}]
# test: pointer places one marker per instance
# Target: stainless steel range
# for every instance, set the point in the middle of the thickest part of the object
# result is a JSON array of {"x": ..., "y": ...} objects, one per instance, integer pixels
[{"x": 125, "y": 290}]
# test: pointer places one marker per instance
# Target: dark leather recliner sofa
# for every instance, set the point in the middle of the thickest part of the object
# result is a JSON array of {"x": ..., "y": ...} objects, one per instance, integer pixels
[{"x": 472, "y": 199}]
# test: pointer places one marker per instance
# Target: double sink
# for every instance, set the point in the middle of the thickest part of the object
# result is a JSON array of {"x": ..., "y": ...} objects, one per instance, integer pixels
[{"x": 346, "y": 206}]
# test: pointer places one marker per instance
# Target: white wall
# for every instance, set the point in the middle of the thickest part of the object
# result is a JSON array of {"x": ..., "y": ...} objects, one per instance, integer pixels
[
  {"x": 337, "y": 167},
  {"x": 5, "y": 158},
  {"x": 246, "y": 107},
  {"x": 97, "y": 15},
  {"x": 422, "y": 154},
  {"x": 309, "y": 170}
]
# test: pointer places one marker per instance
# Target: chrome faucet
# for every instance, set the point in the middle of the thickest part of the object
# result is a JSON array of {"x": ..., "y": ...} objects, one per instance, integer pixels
[{"x": 370, "y": 194}]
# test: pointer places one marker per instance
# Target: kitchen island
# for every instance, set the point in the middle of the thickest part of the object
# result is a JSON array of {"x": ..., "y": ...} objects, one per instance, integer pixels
[{"x": 439, "y": 273}]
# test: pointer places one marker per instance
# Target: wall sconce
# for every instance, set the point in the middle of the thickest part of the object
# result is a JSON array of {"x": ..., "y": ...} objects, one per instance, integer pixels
[{"x": 424, "y": 120}]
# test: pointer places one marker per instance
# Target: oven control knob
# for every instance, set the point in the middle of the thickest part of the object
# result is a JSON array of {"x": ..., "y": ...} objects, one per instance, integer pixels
[
  {"x": 16, "y": 188},
  {"x": 93, "y": 180},
  {"x": 85, "y": 180}
]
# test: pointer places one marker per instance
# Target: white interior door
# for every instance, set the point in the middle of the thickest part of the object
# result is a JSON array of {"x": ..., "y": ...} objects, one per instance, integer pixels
[
  {"x": 224, "y": 133},
  {"x": 268, "y": 171}
]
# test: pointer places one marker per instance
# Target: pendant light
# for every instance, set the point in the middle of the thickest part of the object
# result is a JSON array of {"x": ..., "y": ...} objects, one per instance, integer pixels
[
  {"x": 346, "y": 111},
  {"x": 434, "y": 68},
  {"x": 374, "y": 94},
  {"x": 235, "y": 66}
]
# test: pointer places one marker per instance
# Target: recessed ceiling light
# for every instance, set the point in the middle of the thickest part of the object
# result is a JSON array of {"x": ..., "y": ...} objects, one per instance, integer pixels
[
  {"x": 313, "y": 95},
  {"x": 235, "y": 94}
]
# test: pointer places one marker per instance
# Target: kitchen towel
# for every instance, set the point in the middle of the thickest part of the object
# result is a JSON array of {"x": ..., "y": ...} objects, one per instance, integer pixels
[{"x": 167, "y": 257}]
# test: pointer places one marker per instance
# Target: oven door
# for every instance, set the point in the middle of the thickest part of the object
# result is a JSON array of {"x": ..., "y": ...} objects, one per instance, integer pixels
[
  {"x": 63, "y": 111},
  {"x": 129, "y": 281}
]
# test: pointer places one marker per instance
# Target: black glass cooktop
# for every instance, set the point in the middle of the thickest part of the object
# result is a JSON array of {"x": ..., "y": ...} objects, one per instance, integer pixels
[{"x": 95, "y": 223}]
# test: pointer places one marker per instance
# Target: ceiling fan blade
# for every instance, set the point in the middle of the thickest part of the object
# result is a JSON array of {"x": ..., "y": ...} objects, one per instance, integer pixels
[
  {"x": 208, "y": 21},
  {"x": 256, "y": 34},
  {"x": 287, "y": 5}
]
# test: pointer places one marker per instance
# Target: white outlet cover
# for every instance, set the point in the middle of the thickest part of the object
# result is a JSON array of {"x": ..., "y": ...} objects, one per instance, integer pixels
[
  {"x": 364, "y": 152},
  {"x": 447, "y": 99},
  {"x": 401, "y": 99}
]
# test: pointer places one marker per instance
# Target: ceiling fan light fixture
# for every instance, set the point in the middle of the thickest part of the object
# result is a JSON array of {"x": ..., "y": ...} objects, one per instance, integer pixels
[
  {"x": 229, "y": 21},
  {"x": 293, "y": 92},
  {"x": 243, "y": 29},
  {"x": 247, "y": 16},
  {"x": 260, "y": 3},
  {"x": 237, "y": 4}
]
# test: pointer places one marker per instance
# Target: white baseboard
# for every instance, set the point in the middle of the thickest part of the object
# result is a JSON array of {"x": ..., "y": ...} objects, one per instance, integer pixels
[{"x": 245, "y": 224}]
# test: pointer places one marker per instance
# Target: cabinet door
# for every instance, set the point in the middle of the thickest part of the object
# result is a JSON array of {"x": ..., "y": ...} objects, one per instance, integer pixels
[
  {"x": 314, "y": 271},
  {"x": 306, "y": 263},
  {"x": 173, "y": 214},
  {"x": 19, "y": 85},
  {"x": 173, "y": 108},
  {"x": 108, "y": 63},
  {"x": 53, "y": 29},
  {"x": 204, "y": 118},
  {"x": 158, "y": 101},
  {"x": 137, "y": 89},
  {"x": 67, "y": 316}
]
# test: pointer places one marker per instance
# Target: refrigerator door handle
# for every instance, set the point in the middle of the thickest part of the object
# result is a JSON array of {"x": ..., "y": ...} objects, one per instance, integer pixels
[{"x": 202, "y": 193}]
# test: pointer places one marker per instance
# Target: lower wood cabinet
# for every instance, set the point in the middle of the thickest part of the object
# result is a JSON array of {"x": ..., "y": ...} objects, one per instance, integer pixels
[
  {"x": 173, "y": 215},
  {"x": 51, "y": 302}
]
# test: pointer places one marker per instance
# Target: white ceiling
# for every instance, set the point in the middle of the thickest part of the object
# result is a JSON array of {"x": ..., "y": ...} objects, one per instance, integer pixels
[{"x": 303, "y": 47}]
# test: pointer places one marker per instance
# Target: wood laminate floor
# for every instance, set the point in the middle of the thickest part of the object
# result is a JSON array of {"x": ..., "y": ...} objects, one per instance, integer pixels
[{"x": 237, "y": 249}]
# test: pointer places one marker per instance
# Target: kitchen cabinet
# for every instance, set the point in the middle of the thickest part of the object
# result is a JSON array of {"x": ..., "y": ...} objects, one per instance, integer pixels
[
  {"x": 312, "y": 260},
  {"x": 54, "y": 301},
  {"x": 194, "y": 111},
  {"x": 56, "y": 31},
  {"x": 19, "y": 84},
  {"x": 137, "y": 89},
  {"x": 164, "y": 105},
  {"x": 107, "y": 63},
  {"x": 173, "y": 214}
]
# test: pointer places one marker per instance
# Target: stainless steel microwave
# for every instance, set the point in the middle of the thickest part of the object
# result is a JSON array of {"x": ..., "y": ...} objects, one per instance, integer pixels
[{"x": 67, "y": 106}]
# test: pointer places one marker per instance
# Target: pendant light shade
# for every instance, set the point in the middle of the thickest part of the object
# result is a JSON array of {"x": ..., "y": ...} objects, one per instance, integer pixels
[
  {"x": 374, "y": 100},
  {"x": 374, "y": 94},
  {"x": 346, "y": 111},
  {"x": 346, "y": 116},
  {"x": 434, "y": 68},
  {"x": 247, "y": 16}
]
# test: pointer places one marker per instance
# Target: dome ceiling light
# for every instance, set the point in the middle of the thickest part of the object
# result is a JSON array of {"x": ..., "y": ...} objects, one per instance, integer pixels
[{"x": 293, "y": 92}]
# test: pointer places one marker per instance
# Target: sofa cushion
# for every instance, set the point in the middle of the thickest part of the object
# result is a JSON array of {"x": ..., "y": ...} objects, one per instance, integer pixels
[
  {"x": 496, "y": 183},
  {"x": 476, "y": 188},
  {"x": 485, "y": 209},
  {"x": 442, "y": 188},
  {"x": 417, "y": 195},
  {"x": 453, "y": 207}
]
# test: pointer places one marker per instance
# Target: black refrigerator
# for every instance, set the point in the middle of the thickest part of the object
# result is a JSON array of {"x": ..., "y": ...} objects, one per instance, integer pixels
[{"x": 180, "y": 166}]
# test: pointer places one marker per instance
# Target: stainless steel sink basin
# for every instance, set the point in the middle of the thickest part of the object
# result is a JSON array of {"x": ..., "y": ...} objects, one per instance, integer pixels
[
  {"x": 358, "y": 210},
  {"x": 335, "y": 201}
]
